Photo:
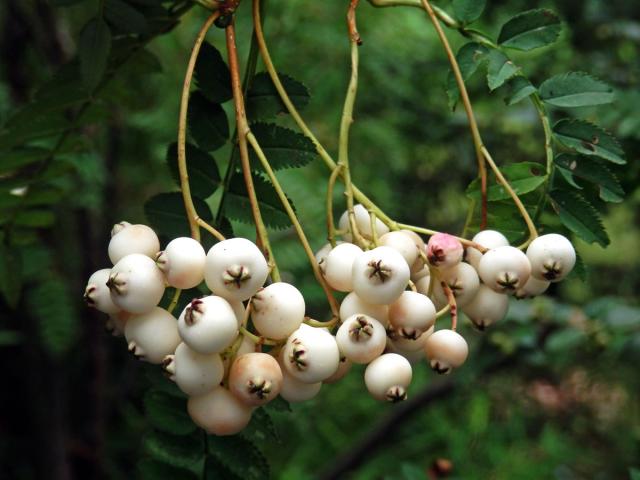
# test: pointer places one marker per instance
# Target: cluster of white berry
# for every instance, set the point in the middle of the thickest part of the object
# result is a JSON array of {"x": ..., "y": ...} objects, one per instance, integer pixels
[{"x": 210, "y": 354}]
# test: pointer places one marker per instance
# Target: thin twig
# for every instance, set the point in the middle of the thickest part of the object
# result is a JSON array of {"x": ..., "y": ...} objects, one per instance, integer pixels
[
  {"x": 192, "y": 215},
  {"x": 243, "y": 128},
  {"x": 295, "y": 222}
]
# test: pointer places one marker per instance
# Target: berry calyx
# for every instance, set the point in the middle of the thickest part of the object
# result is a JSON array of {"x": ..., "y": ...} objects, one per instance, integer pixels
[
  {"x": 235, "y": 269},
  {"x": 361, "y": 338},
  {"x": 127, "y": 239},
  {"x": 388, "y": 377},
  {"x": 182, "y": 263},
  {"x": 277, "y": 310},
  {"x": 444, "y": 250},
  {"x": 504, "y": 269},
  {"x": 380, "y": 275},
  {"x": 552, "y": 257},
  {"x": 446, "y": 350},
  {"x": 208, "y": 324},
  {"x": 255, "y": 378}
]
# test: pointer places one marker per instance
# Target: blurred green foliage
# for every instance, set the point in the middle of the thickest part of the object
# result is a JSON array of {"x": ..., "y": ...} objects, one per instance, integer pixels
[{"x": 552, "y": 392}]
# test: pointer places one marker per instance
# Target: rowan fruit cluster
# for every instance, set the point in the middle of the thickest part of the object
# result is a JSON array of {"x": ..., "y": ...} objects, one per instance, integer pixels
[{"x": 396, "y": 287}]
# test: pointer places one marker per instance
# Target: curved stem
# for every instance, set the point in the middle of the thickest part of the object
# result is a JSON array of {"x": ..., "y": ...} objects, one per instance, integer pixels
[
  {"x": 243, "y": 128},
  {"x": 453, "y": 307},
  {"x": 257, "y": 339},
  {"x": 293, "y": 111},
  {"x": 295, "y": 222},
  {"x": 443, "y": 311},
  {"x": 426, "y": 231},
  {"x": 331, "y": 227},
  {"x": 533, "y": 233},
  {"x": 210, "y": 229},
  {"x": 345, "y": 125},
  {"x": 174, "y": 300},
  {"x": 464, "y": 96},
  {"x": 318, "y": 324},
  {"x": 548, "y": 147},
  {"x": 192, "y": 215}
]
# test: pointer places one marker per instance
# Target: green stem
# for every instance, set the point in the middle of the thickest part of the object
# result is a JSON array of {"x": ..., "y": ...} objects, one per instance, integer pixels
[
  {"x": 243, "y": 129},
  {"x": 174, "y": 300},
  {"x": 548, "y": 146},
  {"x": 252, "y": 62},
  {"x": 192, "y": 215},
  {"x": 343, "y": 146},
  {"x": 335, "y": 309},
  {"x": 331, "y": 227}
]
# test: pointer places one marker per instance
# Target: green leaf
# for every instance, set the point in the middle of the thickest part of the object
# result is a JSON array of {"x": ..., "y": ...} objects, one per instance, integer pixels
[
  {"x": 500, "y": 69},
  {"x": 261, "y": 428},
  {"x": 35, "y": 218},
  {"x": 263, "y": 100},
  {"x": 468, "y": 11},
  {"x": 278, "y": 404},
  {"x": 208, "y": 123},
  {"x": 591, "y": 170},
  {"x": 212, "y": 75},
  {"x": 523, "y": 177},
  {"x": 204, "y": 177},
  {"x": 283, "y": 148},
  {"x": 519, "y": 89},
  {"x": 240, "y": 456},
  {"x": 589, "y": 139},
  {"x": 154, "y": 470},
  {"x": 125, "y": 18},
  {"x": 214, "y": 469},
  {"x": 10, "y": 274},
  {"x": 93, "y": 51},
  {"x": 168, "y": 413},
  {"x": 634, "y": 474},
  {"x": 52, "y": 306},
  {"x": 575, "y": 89},
  {"x": 178, "y": 451},
  {"x": 530, "y": 29},
  {"x": 579, "y": 216},
  {"x": 237, "y": 205},
  {"x": 470, "y": 57},
  {"x": 166, "y": 214},
  {"x": 9, "y": 338},
  {"x": 20, "y": 157}
]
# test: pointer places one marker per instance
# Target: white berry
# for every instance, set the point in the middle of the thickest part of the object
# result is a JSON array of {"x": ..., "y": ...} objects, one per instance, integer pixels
[
  {"x": 532, "y": 288},
  {"x": 343, "y": 369},
  {"x": 194, "y": 373},
  {"x": 363, "y": 223},
  {"x": 153, "y": 335},
  {"x": 412, "y": 311},
  {"x": 388, "y": 377},
  {"x": 401, "y": 242},
  {"x": 487, "y": 307},
  {"x": 182, "y": 263},
  {"x": 488, "y": 239},
  {"x": 127, "y": 239},
  {"x": 504, "y": 269},
  {"x": 97, "y": 294},
  {"x": 255, "y": 378},
  {"x": 208, "y": 324},
  {"x": 361, "y": 338},
  {"x": 409, "y": 343},
  {"x": 219, "y": 412},
  {"x": 446, "y": 350},
  {"x": 311, "y": 354},
  {"x": 235, "y": 269},
  {"x": 136, "y": 283},
  {"x": 353, "y": 304},
  {"x": 277, "y": 310},
  {"x": 294, "y": 391},
  {"x": 338, "y": 266},
  {"x": 552, "y": 257},
  {"x": 380, "y": 275},
  {"x": 462, "y": 280}
]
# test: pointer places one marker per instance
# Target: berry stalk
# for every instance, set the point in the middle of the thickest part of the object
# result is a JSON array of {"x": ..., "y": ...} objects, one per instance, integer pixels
[
  {"x": 195, "y": 222},
  {"x": 473, "y": 125},
  {"x": 243, "y": 129}
]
